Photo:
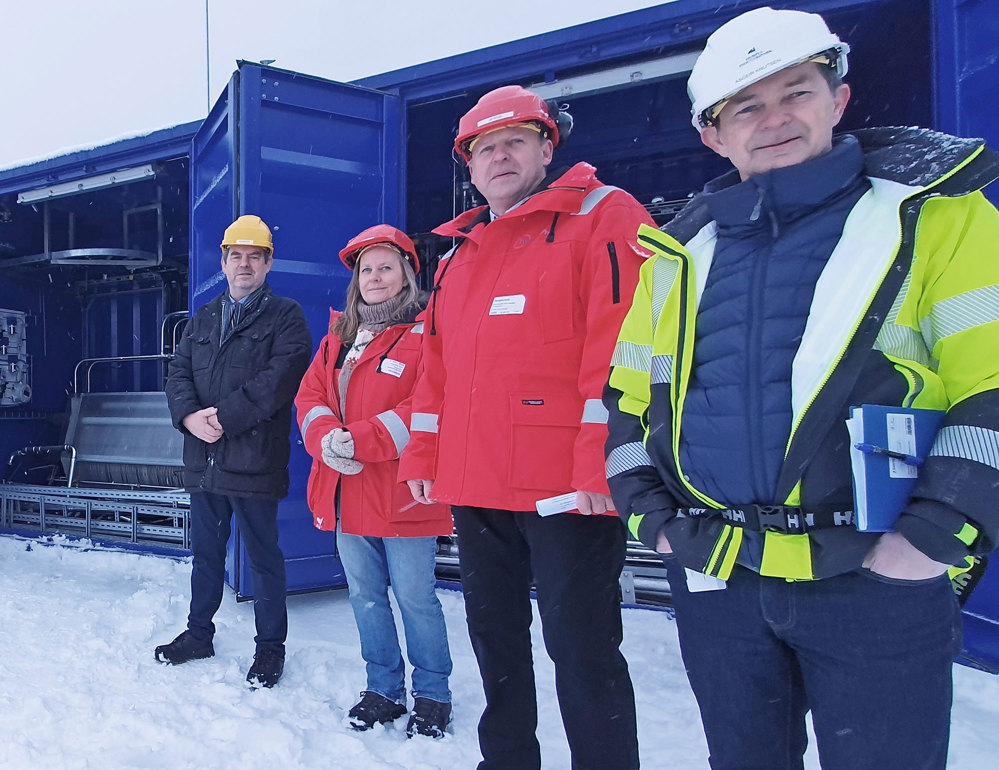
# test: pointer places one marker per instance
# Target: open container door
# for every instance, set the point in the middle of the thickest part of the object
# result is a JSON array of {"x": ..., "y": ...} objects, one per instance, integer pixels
[
  {"x": 967, "y": 91},
  {"x": 318, "y": 161},
  {"x": 967, "y": 79}
]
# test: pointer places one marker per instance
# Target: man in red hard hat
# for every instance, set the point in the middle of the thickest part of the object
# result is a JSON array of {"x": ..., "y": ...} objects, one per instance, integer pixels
[{"x": 508, "y": 427}]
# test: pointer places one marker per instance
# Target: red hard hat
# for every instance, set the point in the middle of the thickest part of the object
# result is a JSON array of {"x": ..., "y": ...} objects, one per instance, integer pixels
[
  {"x": 502, "y": 107},
  {"x": 375, "y": 235}
]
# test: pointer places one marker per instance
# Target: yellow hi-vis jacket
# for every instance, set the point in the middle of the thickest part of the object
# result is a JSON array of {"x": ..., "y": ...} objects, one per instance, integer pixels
[{"x": 908, "y": 302}]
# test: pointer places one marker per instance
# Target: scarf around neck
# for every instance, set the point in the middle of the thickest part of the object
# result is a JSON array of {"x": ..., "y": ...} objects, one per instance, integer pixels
[{"x": 374, "y": 319}]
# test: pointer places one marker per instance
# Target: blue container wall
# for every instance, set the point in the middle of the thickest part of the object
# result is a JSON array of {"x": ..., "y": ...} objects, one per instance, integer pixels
[
  {"x": 639, "y": 136},
  {"x": 41, "y": 421},
  {"x": 318, "y": 162},
  {"x": 213, "y": 199},
  {"x": 966, "y": 49},
  {"x": 981, "y": 621},
  {"x": 327, "y": 169}
]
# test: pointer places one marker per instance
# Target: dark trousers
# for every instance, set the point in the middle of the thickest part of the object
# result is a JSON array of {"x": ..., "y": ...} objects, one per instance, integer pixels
[
  {"x": 871, "y": 657},
  {"x": 575, "y": 562},
  {"x": 210, "y": 527}
]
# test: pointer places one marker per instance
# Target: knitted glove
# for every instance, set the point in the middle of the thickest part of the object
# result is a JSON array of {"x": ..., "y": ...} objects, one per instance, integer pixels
[
  {"x": 338, "y": 442},
  {"x": 342, "y": 465}
]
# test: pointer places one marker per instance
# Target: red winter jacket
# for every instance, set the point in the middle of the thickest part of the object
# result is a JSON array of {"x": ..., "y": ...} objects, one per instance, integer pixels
[
  {"x": 372, "y": 503},
  {"x": 517, "y": 346}
]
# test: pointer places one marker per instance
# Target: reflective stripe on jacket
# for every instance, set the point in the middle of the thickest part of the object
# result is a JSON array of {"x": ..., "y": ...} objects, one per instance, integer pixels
[
  {"x": 905, "y": 312},
  {"x": 373, "y": 503},
  {"x": 517, "y": 344}
]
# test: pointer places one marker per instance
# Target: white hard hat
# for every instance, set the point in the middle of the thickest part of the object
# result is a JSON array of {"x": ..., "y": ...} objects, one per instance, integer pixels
[{"x": 753, "y": 46}]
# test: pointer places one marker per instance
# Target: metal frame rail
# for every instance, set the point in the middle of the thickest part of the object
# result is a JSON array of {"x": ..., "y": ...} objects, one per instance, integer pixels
[
  {"x": 643, "y": 579},
  {"x": 145, "y": 516},
  {"x": 91, "y": 362}
]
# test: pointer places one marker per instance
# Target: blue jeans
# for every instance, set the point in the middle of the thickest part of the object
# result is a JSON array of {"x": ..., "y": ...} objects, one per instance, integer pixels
[
  {"x": 870, "y": 656},
  {"x": 369, "y": 563},
  {"x": 258, "y": 530}
]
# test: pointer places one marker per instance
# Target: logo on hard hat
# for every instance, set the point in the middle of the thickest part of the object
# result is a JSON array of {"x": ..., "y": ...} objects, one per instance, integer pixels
[
  {"x": 753, "y": 54},
  {"x": 493, "y": 119}
]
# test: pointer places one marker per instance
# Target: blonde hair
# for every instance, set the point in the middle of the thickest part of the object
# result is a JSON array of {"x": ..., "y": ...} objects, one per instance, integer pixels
[{"x": 345, "y": 327}]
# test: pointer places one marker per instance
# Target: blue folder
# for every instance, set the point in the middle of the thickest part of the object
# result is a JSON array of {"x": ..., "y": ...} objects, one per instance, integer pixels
[{"x": 887, "y": 446}]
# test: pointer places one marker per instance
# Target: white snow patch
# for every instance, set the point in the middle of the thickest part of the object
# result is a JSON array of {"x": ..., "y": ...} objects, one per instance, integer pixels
[
  {"x": 58, "y": 153},
  {"x": 79, "y": 687}
]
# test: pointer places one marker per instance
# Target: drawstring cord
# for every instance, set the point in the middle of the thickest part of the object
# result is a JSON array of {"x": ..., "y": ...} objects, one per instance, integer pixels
[
  {"x": 436, "y": 288},
  {"x": 758, "y": 207}
]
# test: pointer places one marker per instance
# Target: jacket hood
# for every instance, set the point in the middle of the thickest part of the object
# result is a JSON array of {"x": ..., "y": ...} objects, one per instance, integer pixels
[
  {"x": 572, "y": 185},
  {"x": 917, "y": 157}
]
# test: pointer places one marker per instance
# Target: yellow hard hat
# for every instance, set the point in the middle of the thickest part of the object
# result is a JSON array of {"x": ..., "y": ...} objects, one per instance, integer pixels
[{"x": 248, "y": 230}]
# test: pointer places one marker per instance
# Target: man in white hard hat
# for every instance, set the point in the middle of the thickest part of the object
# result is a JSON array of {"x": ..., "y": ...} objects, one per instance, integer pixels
[
  {"x": 822, "y": 273},
  {"x": 230, "y": 391}
]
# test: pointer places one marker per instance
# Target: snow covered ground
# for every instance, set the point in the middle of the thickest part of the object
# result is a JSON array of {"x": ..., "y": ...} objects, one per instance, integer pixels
[{"x": 79, "y": 687}]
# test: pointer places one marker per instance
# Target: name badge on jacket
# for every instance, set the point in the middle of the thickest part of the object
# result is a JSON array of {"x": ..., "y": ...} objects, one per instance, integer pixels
[
  {"x": 510, "y": 305},
  {"x": 393, "y": 367}
]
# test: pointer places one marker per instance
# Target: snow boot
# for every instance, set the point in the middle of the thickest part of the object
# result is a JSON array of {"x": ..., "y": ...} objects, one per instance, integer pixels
[
  {"x": 374, "y": 709},
  {"x": 268, "y": 665},
  {"x": 428, "y": 717},
  {"x": 184, "y": 648}
]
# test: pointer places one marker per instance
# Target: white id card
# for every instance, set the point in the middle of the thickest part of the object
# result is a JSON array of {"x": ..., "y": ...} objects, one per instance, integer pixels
[
  {"x": 393, "y": 367},
  {"x": 901, "y": 438},
  {"x": 557, "y": 504},
  {"x": 509, "y": 305},
  {"x": 698, "y": 581}
]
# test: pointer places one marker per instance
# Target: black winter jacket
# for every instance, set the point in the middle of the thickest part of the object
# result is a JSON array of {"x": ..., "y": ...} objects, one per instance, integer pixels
[{"x": 252, "y": 380}]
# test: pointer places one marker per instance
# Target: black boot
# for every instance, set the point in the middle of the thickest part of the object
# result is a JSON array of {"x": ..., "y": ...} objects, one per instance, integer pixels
[
  {"x": 374, "y": 708},
  {"x": 428, "y": 717},
  {"x": 184, "y": 648},
  {"x": 268, "y": 665}
]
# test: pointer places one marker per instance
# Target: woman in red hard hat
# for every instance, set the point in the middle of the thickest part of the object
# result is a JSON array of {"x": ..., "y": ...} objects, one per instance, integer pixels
[{"x": 353, "y": 410}]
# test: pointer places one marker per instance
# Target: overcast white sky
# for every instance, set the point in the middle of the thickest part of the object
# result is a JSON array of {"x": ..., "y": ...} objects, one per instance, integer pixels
[{"x": 78, "y": 73}]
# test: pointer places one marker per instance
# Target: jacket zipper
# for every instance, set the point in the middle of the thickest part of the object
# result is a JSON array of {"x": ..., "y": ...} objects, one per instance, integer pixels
[
  {"x": 678, "y": 377},
  {"x": 615, "y": 273},
  {"x": 754, "y": 415}
]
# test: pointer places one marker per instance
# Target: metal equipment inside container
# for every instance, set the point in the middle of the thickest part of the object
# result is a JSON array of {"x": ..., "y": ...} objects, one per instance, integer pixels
[{"x": 116, "y": 476}]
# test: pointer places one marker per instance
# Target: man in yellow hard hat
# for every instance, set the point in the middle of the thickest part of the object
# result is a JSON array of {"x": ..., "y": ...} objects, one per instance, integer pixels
[{"x": 230, "y": 391}]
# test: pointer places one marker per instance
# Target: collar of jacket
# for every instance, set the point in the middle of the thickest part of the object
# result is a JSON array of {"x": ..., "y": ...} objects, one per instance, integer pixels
[
  {"x": 265, "y": 293},
  {"x": 936, "y": 162},
  {"x": 785, "y": 194},
  {"x": 559, "y": 192}
]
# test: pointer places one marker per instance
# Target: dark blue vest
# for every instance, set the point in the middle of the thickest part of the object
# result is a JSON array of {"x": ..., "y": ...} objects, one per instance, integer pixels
[{"x": 775, "y": 234}]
